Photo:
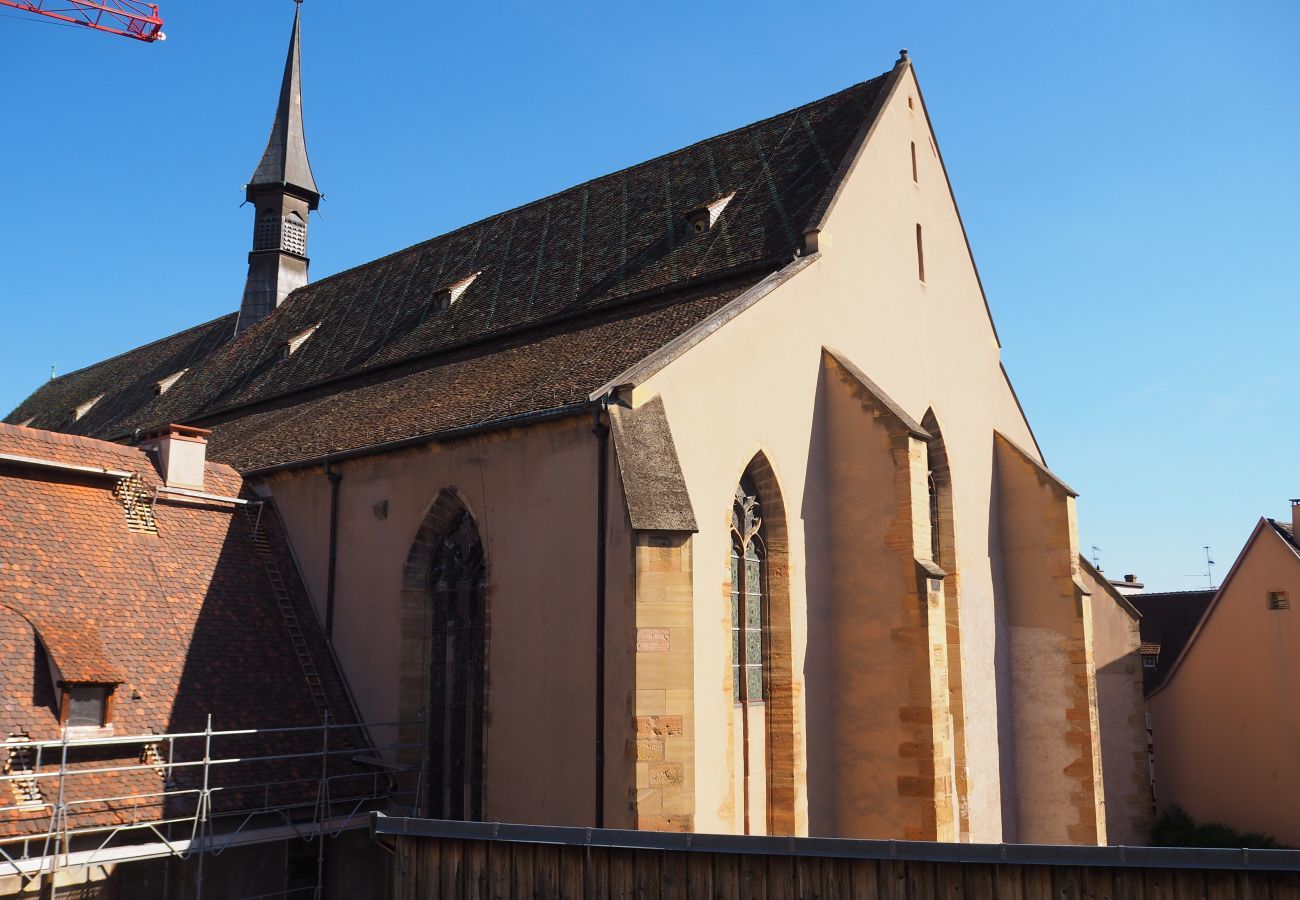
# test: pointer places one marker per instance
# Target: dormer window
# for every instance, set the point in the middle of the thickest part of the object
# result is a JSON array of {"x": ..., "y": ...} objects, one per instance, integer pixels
[
  {"x": 706, "y": 217},
  {"x": 1150, "y": 652},
  {"x": 445, "y": 297},
  {"x": 162, "y": 386},
  {"x": 87, "y": 705},
  {"x": 291, "y": 346},
  {"x": 86, "y": 407}
]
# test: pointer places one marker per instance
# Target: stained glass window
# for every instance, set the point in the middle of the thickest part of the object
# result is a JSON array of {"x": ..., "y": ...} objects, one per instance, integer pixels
[{"x": 748, "y": 597}]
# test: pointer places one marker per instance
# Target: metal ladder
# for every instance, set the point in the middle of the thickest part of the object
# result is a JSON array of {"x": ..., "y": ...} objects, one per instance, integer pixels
[
  {"x": 18, "y": 763},
  {"x": 289, "y": 614}
]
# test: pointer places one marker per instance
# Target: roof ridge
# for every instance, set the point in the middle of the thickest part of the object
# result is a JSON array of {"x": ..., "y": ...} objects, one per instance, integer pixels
[
  {"x": 1149, "y": 594},
  {"x": 138, "y": 348},
  {"x": 582, "y": 184},
  {"x": 64, "y": 439}
]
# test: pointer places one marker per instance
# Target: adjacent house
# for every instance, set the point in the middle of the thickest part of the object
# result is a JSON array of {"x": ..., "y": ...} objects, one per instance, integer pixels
[{"x": 1226, "y": 714}]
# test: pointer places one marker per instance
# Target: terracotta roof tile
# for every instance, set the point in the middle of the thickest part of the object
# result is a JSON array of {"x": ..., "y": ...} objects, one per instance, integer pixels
[{"x": 186, "y": 619}]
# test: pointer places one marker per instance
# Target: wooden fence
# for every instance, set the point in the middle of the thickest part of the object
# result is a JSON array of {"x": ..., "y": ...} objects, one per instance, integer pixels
[{"x": 460, "y": 861}]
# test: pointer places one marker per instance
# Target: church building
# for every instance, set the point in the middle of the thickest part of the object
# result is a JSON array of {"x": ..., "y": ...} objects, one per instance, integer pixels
[{"x": 694, "y": 497}]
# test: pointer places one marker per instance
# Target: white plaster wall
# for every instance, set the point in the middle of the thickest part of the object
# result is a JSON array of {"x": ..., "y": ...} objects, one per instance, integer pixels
[{"x": 926, "y": 345}]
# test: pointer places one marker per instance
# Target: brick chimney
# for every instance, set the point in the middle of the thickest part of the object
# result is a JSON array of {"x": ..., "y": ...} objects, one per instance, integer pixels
[
  {"x": 181, "y": 452},
  {"x": 1295, "y": 517}
]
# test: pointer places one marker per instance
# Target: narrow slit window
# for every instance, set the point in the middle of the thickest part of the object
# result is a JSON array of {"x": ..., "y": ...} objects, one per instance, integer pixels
[
  {"x": 920, "y": 255},
  {"x": 915, "y": 180}
]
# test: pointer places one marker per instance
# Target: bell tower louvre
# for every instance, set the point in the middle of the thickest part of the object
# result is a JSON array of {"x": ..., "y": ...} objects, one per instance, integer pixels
[{"x": 283, "y": 192}]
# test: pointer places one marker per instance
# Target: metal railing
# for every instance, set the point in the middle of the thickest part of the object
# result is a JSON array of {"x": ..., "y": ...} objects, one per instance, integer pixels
[{"x": 83, "y": 801}]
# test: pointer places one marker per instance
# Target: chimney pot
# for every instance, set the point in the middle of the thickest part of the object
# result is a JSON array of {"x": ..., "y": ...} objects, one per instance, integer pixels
[
  {"x": 1130, "y": 578},
  {"x": 181, "y": 452}
]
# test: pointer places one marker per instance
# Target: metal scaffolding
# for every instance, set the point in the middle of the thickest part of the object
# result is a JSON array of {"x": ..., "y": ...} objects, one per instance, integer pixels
[{"x": 77, "y": 803}]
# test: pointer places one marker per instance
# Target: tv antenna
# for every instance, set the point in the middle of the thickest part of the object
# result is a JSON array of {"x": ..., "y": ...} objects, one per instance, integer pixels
[
  {"x": 1096, "y": 557},
  {"x": 1208, "y": 574}
]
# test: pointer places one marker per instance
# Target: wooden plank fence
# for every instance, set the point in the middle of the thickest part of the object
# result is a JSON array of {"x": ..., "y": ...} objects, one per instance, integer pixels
[{"x": 478, "y": 861}]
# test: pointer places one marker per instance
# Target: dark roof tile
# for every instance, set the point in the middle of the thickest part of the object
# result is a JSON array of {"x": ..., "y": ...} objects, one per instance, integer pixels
[{"x": 607, "y": 249}]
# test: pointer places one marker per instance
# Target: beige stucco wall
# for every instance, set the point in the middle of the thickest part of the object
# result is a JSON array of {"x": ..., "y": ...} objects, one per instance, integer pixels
[
  {"x": 926, "y": 345},
  {"x": 1122, "y": 711},
  {"x": 929, "y": 346},
  {"x": 1227, "y": 721},
  {"x": 533, "y": 494}
]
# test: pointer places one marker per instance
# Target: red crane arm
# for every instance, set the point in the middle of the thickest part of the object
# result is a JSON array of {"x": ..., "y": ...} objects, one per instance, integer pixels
[{"x": 125, "y": 17}]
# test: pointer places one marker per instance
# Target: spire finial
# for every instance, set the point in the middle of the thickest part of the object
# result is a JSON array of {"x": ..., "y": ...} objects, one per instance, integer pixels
[{"x": 285, "y": 160}]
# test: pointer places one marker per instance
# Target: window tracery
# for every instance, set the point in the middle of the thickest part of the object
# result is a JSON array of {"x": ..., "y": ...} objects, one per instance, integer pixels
[
  {"x": 457, "y": 587},
  {"x": 748, "y": 597}
]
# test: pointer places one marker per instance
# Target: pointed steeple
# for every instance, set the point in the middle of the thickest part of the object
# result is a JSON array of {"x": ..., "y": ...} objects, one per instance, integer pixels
[
  {"x": 283, "y": 193},
  {"x": 284, "y": 164}
]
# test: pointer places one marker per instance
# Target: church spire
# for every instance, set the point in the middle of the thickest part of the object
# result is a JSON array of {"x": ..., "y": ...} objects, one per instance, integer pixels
[
  {"x": 283, "y": 192},
  {"x": 285, "y": 161}
]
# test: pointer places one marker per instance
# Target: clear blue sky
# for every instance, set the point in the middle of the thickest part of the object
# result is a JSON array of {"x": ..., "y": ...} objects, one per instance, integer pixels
[{"x": 1129, "y": 174}]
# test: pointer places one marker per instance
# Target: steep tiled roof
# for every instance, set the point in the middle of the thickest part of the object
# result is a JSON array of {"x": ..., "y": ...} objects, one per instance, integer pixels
[
  {"x": 553, "y": 370},
  {"x": 127, "y": 382},
  {"x": 1168, "y": 620},
  {"x": 185, "y": 620},
  {"x": 595, "y": 256}
]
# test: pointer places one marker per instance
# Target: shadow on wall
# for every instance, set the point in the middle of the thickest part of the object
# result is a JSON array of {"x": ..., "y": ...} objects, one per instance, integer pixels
[
  {"x": 1002, "y": 657},
  {"x": 818, "y": 672}
]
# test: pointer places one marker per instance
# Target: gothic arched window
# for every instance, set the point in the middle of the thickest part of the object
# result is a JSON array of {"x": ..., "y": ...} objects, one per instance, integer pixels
[
  {"x": 457, "y": 588},
  {"x": 748, "y": 597}
]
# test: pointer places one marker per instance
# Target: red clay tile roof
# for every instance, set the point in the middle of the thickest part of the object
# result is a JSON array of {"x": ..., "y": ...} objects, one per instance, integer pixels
[
  {"x": 185, "y": 618},
  {"x": 596, "y": 256}
]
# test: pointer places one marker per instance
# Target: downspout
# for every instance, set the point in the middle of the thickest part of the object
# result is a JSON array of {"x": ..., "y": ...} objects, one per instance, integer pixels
[
  {"x": 600, "y": 428},
  {"x": 334, "y": 478}
]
